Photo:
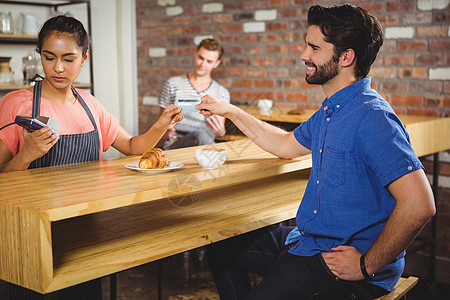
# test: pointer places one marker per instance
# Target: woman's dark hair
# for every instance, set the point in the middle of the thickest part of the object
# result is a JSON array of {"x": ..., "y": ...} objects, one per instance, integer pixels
[
  {"x": 350, "y": 27},
  {"x": 64, "y": 24}
]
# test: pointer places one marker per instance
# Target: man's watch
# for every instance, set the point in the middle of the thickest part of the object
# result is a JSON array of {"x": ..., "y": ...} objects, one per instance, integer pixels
[{"x": 362, "y": 264}]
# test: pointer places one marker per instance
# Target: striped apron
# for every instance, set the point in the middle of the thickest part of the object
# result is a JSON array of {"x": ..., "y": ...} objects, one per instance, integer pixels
[{"x": 70, "y": 148}]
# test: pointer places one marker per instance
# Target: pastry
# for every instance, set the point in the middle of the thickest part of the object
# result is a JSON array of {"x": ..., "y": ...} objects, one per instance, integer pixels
[{"x": 153, "y": 159}]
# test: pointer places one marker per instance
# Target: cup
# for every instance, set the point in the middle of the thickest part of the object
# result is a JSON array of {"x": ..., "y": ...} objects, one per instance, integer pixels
[
  {"x": 265, "y": 104},
  {"x": 30, "y": 25},
  {"x": 211, "y": 158}
]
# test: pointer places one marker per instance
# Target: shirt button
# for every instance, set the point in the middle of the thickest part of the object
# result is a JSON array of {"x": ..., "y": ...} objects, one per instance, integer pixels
[
  {"x": 317, "y": 181},
  {"x": 320, "y": 150},
  {"x": 328, "y": 119},
  {"x": 302, "y": 232},
  {"x": 337, "y": 106},
  {"x": 315, "y": 211},
  {"x": 409, "y": 168}
]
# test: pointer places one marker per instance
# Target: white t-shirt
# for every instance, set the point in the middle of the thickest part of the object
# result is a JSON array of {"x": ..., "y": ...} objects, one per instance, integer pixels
[{"x": 181, "y": 85}]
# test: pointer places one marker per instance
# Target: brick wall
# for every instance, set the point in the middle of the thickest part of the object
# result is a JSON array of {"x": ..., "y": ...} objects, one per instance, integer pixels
[{"x": 263, "y": 40}]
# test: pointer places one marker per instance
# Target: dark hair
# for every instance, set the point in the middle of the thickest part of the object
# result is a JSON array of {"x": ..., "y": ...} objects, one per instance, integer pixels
[
  {"x": 212, "y": 45},
  {"x": 350, "y": 27},
  {"x": 64, "y": 24}
]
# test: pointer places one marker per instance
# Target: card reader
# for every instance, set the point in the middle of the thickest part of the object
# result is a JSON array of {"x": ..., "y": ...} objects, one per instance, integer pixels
[{"x": 34, "y": 124}]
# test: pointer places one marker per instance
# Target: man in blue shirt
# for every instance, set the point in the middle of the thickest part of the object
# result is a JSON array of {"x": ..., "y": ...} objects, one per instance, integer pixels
[{"x": 367, "y": 197}]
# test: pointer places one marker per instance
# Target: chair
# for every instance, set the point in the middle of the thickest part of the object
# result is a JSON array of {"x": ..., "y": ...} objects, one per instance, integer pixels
[{"x": 403, "y": 286}]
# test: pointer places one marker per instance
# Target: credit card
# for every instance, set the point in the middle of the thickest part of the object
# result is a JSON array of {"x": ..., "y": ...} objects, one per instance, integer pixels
[{"x": 187, "y": 104}]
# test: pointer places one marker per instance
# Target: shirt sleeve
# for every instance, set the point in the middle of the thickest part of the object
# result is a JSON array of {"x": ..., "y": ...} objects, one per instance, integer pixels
[
  {"x": 304, "y": 132},
  {"x": 226, "y": 94},
  {"x": 384, "y": 145},
  {"x": 109, "y": 126},
  {"x": 166, "y": 95},
  {"x": 11, "y": 105}
]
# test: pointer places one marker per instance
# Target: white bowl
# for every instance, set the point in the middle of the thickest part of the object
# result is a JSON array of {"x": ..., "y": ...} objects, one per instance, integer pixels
[
  {"x": 265, "y": 104},
  {"x": 210, "y": 158}
]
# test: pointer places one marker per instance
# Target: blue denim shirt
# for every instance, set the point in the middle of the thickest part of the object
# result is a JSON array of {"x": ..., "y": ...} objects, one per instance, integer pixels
[{"x": 358, "y": 147}]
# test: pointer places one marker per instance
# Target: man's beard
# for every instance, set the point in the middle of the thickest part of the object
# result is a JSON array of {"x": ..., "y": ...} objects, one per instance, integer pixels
[{"x": 325, "y": 72}]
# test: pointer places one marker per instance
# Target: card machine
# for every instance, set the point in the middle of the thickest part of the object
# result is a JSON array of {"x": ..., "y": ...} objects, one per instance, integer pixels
[
  {"x": 32, "y": 124},
  {"x": 188, "y": 103}
]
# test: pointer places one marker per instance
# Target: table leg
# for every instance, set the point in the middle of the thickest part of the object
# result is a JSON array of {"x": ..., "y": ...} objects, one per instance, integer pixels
[
  {"x": 435, "y": 188},
  {"x": 160, "y": 285},
  {"x": 113, "y": 286}
]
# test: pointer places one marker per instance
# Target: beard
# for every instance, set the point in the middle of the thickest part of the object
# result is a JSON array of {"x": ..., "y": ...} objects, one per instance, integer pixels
[{"x": 323, "y": 73}]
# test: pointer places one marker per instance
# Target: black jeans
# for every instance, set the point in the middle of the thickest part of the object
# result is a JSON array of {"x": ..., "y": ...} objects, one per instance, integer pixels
[{"x": 286, "y": 276}]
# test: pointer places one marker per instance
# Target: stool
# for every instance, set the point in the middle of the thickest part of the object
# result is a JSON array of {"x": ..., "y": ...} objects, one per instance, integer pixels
[{"x": 403, "y": 286}]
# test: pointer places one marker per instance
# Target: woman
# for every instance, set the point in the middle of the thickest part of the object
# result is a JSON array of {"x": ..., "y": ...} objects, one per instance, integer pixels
[{"x": 86, "y": 128}]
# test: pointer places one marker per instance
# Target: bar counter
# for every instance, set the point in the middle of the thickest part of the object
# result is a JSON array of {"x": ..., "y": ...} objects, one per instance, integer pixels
[
  {"x": 61, "y": 226},
  {"x": 428, "y": 135}
]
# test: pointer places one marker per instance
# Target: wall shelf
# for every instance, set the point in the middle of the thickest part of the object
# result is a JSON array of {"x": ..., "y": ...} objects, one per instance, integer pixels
[
  {"x": 32, "y": 39},
  {"x": 18, "y": 38}
]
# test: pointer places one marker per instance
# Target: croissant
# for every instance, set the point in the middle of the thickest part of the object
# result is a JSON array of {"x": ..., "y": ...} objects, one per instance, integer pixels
[{"x": 153, "y": 159}]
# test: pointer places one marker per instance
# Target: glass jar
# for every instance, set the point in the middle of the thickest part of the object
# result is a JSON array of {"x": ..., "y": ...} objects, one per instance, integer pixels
[
  {"x": 29, "y": 68},
  {"x": 6, "y": 23}
]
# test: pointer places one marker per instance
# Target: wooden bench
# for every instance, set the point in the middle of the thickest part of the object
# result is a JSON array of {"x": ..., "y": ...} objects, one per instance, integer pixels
[{"x": 403, "y": 286}]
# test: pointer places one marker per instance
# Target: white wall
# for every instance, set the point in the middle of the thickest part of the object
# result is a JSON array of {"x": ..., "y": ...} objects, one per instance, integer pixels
[
  {"x": 114, "y": 59},
  {"x": 113, "y": 52}
]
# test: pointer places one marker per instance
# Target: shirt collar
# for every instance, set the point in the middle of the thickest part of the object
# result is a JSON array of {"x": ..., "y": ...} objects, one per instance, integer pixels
[{"x": 343, "y": 96}]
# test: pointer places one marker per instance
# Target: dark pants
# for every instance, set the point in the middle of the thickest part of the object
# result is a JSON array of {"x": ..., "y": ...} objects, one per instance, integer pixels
[
  {"x": 286, "y": 276},
  {"x": 189, "y": 139}
]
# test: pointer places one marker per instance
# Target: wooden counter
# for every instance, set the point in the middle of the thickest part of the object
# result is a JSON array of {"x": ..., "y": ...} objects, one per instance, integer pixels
[
  {"x": 279, "y": 114},
  {"x": 428, "y": 134},
  {"x": 61, "y": 226},
  {"x": 65, "y": 225}
]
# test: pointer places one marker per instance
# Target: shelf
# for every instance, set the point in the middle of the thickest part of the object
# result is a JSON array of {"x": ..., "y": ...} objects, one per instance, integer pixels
[
  {"x": 119, "y": 239},
  {"x": 18, "y": 86},
  {"x": 33, "y": 39},
  {"x": 44, "y": 3},
  {"x": 18, "y": 38}
]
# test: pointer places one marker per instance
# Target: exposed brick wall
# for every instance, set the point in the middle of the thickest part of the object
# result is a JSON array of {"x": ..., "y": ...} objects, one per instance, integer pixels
[{"x": 263, "y": 40}]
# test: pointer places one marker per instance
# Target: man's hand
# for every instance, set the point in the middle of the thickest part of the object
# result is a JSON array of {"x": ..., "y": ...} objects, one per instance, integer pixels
[
  {"x": 217, "y": 125},
  {"x": 344, "y": 262},
  {"x": 211, "y": 106}
]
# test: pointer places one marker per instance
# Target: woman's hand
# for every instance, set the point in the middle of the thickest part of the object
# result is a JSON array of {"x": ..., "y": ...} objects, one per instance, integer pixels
[
  {"x": 170, "y": 116},
  {"x": 38, "y": 143}
]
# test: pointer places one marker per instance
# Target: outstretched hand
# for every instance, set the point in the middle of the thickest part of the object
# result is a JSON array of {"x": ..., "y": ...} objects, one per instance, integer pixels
[
  {"x": 344, "y": 262},
  {"x": 211, "y": 106},
  {"x": 170, "y": 116}
]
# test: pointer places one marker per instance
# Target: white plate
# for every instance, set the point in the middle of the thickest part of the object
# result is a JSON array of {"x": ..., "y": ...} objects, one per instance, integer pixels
[{"x": 172, "y": 166}]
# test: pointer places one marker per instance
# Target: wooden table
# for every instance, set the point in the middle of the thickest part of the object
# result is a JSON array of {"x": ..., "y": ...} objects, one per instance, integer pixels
[
  {"x": 428, "y": 134},
  {"x": 61, "y": 226},
  {"x": 279, "y": 114}
]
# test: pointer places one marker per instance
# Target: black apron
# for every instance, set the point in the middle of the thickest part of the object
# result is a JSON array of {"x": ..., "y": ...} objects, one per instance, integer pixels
[{"x": 70, "y": 148}]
